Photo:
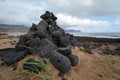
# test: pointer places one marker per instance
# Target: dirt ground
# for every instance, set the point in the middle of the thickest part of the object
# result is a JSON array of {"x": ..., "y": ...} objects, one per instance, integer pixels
[{"x": 91, "y": 66}]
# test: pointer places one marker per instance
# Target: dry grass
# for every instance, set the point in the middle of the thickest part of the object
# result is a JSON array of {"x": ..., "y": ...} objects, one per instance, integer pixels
[{"x": 90, "y": 67}]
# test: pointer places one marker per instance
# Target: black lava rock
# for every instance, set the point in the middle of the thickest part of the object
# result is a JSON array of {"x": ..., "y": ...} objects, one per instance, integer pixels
[
  {"x": 20, "y": 43},
  {"x": 35, "y": 44},
  {"x": 33, "y": 28},
  {"x": 43, "y": 26},
  {"x": 46, "y": 48},
  {"x": 64, "y": 41},
  {"x": 65, "y": 51},
  {"x": 60, "y": 62},
  {"x": 74, "y": 59},
  {"x": 40, "y": 34},
  {"x": 56, "y": 34},
  {"x": 10, "y": 56},
  {"x": 73, "y": 40}
]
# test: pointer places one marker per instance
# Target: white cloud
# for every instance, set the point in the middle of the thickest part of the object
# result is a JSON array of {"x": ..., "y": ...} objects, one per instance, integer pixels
[
  {"x": 87, "y": 3},
  {"x": 85, "y": 8},
  {"x": 74, "y": 21},
  {"x": 18, "y": 12}
]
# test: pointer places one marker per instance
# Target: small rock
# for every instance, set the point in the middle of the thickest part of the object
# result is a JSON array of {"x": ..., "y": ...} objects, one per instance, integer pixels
[{"x": 74, "y": 59}]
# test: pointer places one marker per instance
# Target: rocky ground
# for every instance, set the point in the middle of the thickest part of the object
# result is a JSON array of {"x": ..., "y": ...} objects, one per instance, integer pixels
[{"x": 96, "y": 62}]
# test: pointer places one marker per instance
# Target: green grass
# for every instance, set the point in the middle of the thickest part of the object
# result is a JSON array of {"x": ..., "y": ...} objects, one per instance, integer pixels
[
  {"x": 30, "y": 49},
  {"x": 85, "y": 50},
  {"x": 40, "y": 75}
]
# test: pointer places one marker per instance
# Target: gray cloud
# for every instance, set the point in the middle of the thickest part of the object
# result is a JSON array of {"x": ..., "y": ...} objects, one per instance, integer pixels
[
  {"x": 85, "y": 8},
  {"x": 28, "y": 11}
]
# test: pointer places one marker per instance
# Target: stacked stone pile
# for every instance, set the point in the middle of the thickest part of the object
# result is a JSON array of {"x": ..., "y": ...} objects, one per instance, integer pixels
[{"x": 46, "y": 39}]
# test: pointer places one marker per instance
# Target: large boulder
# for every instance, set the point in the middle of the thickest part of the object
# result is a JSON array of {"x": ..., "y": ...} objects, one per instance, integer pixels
[
  {"x": 21, "y": 42},
  {"x": 43, "y": 26},
  {"x": 65, "y": 50},
  {"x": 10, "y": 56},
  {"x": 51, "y": 29},
  {"x": 61, "y": 30},
  {"x": 35, "y": 44},
  {"x": 56, "y": 36},
  {"x": 41, "y": 34},
  {"x": 73, "y": 40},
  {"x": 33, "y": 28},
  {"x": 64, "y": 41},
  {"x": 74, "y": 59},
  {"x": 60, "y": 62},
  {"x": 46, "y": 48}
]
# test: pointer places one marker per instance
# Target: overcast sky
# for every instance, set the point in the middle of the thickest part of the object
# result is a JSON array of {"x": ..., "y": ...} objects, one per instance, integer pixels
[{"x": 84, "y": 15}]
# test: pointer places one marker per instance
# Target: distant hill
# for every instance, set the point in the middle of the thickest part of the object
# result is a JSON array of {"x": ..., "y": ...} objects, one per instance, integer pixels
[
  {"x": 73, "y": 31},
  {"x": 13, "y": 28}
]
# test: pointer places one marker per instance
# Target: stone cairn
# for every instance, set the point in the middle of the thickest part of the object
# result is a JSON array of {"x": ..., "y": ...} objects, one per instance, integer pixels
[{"x": 47, "y": 39}]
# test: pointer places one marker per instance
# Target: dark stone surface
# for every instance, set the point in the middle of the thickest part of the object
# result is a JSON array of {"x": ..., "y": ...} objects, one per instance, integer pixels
[
  {"x": 73, "y": 40},
  {"x": 48, "y": 15},
  {"x": 34, "y": 27},
  {"x": 10, "y": 56},
  {"x": 98, "y": 40},
  {"x": 74, "y": 59},
  {"x": 20, "y": 43},
  {"x": 35, "y": 44},
  {"x": 60, "y": 62},
  {"x": 45, "y": 16},
  {"x": 46, "y": 48},
  {"x": 43, "y": 26},
  {"x": 64, "y": 41},
  {"x": 56, "y": 36},
  {"x": 40, "y": 34},
  {"x": 65, "y": 50},
  {"x": 112, "y": 52}
]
